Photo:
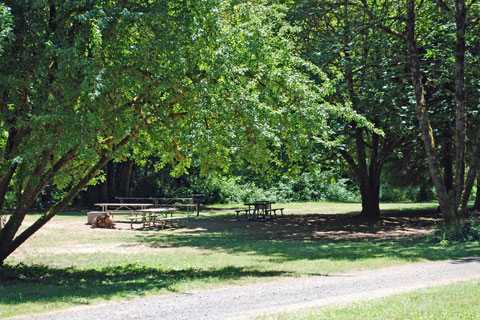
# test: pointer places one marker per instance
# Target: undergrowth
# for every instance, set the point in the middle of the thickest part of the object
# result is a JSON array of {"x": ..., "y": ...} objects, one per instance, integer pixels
[{"x": 466, "y": 231}]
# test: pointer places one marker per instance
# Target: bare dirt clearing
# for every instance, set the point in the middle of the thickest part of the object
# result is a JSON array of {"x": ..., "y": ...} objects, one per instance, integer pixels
[{"x": 327, "y": 226}]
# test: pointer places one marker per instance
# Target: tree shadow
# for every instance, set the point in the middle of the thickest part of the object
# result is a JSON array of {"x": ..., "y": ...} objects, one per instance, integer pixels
[
  {"x": 401, "y": 235},
  {"x": 77, "y": 285}
]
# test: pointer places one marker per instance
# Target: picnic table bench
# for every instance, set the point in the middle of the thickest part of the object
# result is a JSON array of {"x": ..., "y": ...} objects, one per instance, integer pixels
[
  {"x": 147, "y": 220},
  {"x": 259, "y": 209},
  {"x": 150, "y": 216},
  {"x": 191, "y": 204},
  {"x": 115, "y": 208},
  {"x": 164, "y": 221}
]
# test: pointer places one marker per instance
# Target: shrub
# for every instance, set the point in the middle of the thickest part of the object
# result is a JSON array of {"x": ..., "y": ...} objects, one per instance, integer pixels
[
  {"x": 306, "y": 187},
  {"x": 411, "y": 193},
  {"x": 467, "y": 230}
]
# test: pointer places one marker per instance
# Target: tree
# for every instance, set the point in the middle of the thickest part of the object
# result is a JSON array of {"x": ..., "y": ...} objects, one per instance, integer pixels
[
  {"x": 337, "y": 36},
  {"x": 83, "y": 83},
  {"x": 416, "y": 42}
]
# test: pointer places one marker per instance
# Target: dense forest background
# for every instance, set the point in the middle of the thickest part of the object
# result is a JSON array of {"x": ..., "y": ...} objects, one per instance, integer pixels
[{"x": 127, "y": 179}]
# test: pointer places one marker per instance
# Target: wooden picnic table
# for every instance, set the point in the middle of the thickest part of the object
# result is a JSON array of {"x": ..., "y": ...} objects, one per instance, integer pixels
[
  {"x": 162, "y": 211},
  {"x": 122, "y": 207},
  {"x": 192, "y": 205},
  {"x": 149, "y": 217},
  {"x": 116, "y": 208},
  {"x": 260, "y": 208}
]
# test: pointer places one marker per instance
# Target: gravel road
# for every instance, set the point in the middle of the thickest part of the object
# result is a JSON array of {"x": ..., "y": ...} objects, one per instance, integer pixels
[{"x": 243, "y": 301}]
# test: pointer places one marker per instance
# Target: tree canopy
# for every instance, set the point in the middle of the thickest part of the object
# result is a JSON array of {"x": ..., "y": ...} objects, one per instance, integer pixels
[{"x": 85, "y": 82}]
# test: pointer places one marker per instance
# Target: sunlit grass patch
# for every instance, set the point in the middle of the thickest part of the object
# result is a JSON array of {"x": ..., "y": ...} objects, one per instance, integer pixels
[{"x": 455, "y": 301}]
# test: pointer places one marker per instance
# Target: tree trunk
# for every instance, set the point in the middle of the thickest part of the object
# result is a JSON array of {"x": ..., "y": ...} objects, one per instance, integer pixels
[
  {"x": 371, "y": 203},
  {"x": 7, "y": 247},
  {"x": 368, "y": 178},
  {"x": 447, "y": 163},
  {"x": 373, "y": 188},
  {"x": 370, "y": 190},
  {"x": 110, "y": 181},
  {"x": 124, "y": 177},
  {"x": 103, "y": 187},
  {"x": 369, "y": 184},
  {"x": 461, "y": 124},
  {"x": 423, "y": 193},
  {"x": 476, "y": 206},
  {"x": 446, "y": 201},
  {"x": 98, "y": 192},
  {"x": 472, "y": 173},
  {"x": 8, "y": 242}
]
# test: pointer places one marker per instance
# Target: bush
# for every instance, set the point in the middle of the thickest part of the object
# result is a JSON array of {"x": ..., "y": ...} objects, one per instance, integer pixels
[
  {"x": 411, "y": 193},
  {"x": 229, "y": 190},
  {"x": 306, "y": 187},
  {"x": 468, "y": 230}
]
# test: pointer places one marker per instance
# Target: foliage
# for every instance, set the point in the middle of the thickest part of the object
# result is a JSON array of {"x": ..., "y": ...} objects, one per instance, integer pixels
[
  {"x": 6, "y": 26},
  {"x": 315, "y": 186},
  {"x": 413, "y": 193},
  {"x": 338, "y": 37},
  {"x": 308, "y": 186},
  {"x": 193, "y": 83},
  {"x": 466, "y": 231}
]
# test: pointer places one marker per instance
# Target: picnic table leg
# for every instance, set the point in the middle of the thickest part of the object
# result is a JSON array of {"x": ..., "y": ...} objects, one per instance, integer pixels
[{"x": 145, "y": 221}]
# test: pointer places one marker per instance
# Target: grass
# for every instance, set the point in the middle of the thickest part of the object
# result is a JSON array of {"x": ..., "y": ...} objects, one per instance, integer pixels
[
  {"x": 455, "y": 301},
  {"x": 327, "y": 207},
  {"x": 67, "y": 263}
]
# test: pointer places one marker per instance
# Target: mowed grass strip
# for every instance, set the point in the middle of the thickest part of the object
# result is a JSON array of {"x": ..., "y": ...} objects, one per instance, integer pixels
[
  {"x": 456, "y": 301},
  {"x": 68, "y": 263}
]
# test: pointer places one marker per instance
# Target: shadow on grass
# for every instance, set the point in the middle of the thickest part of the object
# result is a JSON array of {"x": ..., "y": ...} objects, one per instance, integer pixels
[
  {"x": 281, "y": 251},
  {"x": 348, "y": 237},
  {"x": 21, "y": 283}
]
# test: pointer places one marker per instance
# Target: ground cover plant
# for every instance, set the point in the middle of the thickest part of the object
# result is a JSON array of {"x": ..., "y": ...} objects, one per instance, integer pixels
[
  {"x": 456, "y": 301},
  {"x": 67, "y": 263}
]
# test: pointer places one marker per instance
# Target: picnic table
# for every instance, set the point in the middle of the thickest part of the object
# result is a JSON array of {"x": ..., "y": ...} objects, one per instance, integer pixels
[
  {"x": 165, "y": 219},
  {"x": 122, "y": 207},
  {"x": 259, "y": 209},
  {"x": 190, "y": 204},
  {"x": 149, "y": 216},
  {"x": 115, "y": 208}
]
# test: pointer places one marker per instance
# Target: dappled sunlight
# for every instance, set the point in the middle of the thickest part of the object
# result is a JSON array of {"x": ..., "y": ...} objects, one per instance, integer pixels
[
  {"x": 105, "y": 282},
  {"x": 316, "y": 237},
  {"x": 71, "y": 264}
]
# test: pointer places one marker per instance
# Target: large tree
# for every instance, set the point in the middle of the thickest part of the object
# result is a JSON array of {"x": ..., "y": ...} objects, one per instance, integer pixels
[
  {"x": 83, "y": 83},
  {"x": 337, "y": 36},
  {"x": 419, "y": 26}
]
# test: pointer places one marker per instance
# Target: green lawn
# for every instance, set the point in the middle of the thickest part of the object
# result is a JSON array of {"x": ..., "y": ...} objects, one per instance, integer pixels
[
  {"x": 458, "y": 301},
  {"x": 68, "y": 263}
]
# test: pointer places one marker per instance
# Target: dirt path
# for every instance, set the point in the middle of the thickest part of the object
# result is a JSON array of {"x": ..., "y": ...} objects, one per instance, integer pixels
[{"x": 288, "y": 294}]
